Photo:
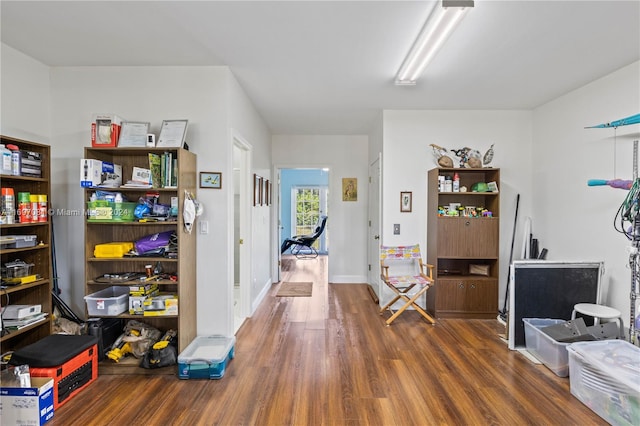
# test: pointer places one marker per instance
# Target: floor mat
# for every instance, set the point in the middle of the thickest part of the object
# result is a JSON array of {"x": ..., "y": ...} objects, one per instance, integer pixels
[{"x": 295, "y": 289}]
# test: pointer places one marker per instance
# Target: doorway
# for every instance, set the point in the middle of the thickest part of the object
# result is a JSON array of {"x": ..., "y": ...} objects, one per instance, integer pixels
[
  {"x": 241, "y": 231},
  {"x": 303, "y": 198},
  {"x": 375, "y": 210}
]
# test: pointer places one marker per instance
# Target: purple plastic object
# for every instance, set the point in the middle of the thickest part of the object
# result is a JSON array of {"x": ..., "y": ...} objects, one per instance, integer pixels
[{"x": 153, "y": 242}]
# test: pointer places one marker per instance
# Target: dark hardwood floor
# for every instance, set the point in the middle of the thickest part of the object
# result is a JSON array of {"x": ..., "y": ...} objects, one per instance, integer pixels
[{"x": 329, "y": 359}]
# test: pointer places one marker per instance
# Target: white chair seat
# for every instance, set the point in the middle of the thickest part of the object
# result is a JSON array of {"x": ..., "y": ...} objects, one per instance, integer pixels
[{"x": 599, "y": 312}]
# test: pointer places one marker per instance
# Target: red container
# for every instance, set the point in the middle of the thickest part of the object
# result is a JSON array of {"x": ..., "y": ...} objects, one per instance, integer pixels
[{"x": 72, "y": 376}]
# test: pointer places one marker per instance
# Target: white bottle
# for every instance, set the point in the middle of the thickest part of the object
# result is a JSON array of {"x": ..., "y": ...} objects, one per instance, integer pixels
[
  {"x": 16, "y": 159},
  {"x": 456, "y": 183},
  {"x": 5, "y": 166}
]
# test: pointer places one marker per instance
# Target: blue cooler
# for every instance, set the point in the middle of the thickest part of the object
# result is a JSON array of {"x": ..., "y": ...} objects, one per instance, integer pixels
[{"x": 206, "y": 357}]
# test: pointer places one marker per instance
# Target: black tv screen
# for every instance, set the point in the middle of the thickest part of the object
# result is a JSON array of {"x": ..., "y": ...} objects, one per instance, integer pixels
[{"x": 549, "y": 289}]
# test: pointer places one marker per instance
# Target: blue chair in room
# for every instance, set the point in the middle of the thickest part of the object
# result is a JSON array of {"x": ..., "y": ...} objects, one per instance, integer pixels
[{"x": 302, "y": 245}]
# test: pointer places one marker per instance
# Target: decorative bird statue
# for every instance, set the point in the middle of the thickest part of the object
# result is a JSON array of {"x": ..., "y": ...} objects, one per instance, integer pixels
[
  {"x": 462, "y": 154},
  {"x": 488, "y": 156},
  {"x": 442, "y": 158}
]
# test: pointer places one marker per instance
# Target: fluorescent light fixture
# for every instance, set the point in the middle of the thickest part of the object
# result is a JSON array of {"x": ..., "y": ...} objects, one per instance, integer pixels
[{"x": 441, "y": 23}]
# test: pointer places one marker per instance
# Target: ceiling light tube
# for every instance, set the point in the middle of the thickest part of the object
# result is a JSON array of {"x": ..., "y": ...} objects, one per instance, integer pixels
[{"x": 441, "y": 23}]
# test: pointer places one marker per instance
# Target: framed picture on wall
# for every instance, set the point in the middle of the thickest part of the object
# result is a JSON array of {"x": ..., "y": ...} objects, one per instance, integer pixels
[
  {"x": 211, "y": 180},
  {"x": 406, "y": 199},
  {"x": 256, "y": 189},
  {"x": 267, "y": 192}
]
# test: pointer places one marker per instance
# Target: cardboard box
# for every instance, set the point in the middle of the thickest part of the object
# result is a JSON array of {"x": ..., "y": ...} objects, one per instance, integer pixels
[
  {"x": 96, "y": 173},
  {"x": 136, "y": 302},
  {"x": 162, "y": 305},
  {"x": 105, "y": 130},
  {"x": 27, "y": 406}
]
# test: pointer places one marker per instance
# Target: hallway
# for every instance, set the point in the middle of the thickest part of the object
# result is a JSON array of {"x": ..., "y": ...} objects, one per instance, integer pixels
[{"x": 328, "y": 359}]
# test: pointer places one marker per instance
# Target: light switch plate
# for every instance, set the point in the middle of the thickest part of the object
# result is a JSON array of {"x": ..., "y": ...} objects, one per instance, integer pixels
[{"x": 396, "y": 229}]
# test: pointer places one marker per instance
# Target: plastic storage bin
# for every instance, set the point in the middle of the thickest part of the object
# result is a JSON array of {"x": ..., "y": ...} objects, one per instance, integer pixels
[
  {"x": 550, "y": 352},
  {"x": 605, "y": 376},
  {"x": 115, "y": 249},
  {"x": 206, "y": 357},
  {"x": 108, "y": 302},
  {"x": 108, "y": 211},
  {"x": 16, "y": 269},
  {"x": 19, "y": 241}
]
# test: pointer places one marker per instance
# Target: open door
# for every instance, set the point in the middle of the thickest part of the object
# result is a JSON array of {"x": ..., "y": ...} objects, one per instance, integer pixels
[
  {"x": 374, "y": 227},
  {"x": 242, "y": 194}
]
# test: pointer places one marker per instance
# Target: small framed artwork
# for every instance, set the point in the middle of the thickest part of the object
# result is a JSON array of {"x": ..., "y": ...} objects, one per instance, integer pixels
[
  {"x": 349, "y": 189},
  {"x": 267, "y": 192},
  {"x": 256, "y": 189},
  {"x": 406, "y": 199},
  {"x": 133, "y": 134},
  {"x": 172, "y": 133},
  {"x": 211, "y": 180}
]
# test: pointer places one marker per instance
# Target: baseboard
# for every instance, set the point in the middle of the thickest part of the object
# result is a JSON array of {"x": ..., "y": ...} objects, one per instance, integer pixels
[{"x": 263, "y": 293}]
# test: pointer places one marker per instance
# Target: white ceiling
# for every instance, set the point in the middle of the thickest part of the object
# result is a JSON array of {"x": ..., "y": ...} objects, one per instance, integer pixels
[{"x": 327, "y": 67}]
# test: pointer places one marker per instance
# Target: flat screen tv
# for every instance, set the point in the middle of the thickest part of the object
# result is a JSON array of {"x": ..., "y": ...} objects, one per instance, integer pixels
[{"x": 548, "y": 289}]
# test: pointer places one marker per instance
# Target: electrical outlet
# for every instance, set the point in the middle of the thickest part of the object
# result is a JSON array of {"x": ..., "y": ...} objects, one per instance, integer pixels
[
  {"x": 204, "y": 226},
  {"x": 396, "y": 229}
]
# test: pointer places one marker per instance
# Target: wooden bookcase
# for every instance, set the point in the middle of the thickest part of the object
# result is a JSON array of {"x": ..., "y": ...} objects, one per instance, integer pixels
[
  {"x": 39, "y": 291},
  {"x": 184, "y": 266},
  {"x": 455, "y": 243}
]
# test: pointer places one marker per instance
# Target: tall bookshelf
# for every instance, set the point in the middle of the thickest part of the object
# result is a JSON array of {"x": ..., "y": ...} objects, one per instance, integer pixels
[
  {"x": 465, "y": 249},
  {"x": 183, "y": 267},
  {"x": 36, "y": 292}
]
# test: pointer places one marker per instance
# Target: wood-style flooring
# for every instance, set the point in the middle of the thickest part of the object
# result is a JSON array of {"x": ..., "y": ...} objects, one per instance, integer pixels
[{"x": 329, "y": 359}]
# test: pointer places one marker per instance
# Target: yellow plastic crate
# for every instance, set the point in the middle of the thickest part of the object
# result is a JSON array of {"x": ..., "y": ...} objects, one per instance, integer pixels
[{"x": 117, "y": 249}]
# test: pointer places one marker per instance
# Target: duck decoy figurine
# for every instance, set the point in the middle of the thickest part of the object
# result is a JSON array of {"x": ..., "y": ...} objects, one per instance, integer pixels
[{"x": 488, "y": 156}]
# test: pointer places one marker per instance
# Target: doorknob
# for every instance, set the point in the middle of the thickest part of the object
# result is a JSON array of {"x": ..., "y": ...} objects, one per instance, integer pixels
[
  {"x": 376, "y": 237},
  {"x": 241, "y": 241}
]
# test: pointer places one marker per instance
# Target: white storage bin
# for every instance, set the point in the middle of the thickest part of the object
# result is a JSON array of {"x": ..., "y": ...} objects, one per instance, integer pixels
[
  {"x": 111, "y": 301},
  {"x": 605, "y": 376},
  {"x": 550, "y": 352}
]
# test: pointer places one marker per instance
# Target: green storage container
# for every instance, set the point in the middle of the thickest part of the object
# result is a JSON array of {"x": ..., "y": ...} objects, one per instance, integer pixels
[{"x": 108, "y": 211}]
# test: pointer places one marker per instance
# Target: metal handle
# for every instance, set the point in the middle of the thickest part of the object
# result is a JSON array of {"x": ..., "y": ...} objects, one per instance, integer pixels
[{"x": 376, "y": 237}]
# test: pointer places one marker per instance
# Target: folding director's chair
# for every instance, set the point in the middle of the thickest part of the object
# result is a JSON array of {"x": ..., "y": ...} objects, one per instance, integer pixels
[{"x": 410, "y": 278}]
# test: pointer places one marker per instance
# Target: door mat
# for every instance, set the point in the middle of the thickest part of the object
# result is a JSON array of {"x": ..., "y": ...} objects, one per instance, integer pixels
[{"x": 295, "y": 289}]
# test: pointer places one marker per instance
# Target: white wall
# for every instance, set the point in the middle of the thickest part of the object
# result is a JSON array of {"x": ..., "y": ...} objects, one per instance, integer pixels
[
  {"x": 407, "y": 158},
  {"x": 247, "y": 123},
  {"x": 573, "y": 220},
  {"x": 345, "y": 156},
  {"x": 54, "y": 105},
  {"x": 25, "y": 107}
]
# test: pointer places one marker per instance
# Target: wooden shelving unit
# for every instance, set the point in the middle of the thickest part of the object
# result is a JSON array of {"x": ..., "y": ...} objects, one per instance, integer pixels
[
  {"x": 36, "y": 292},
  {"x": 184, "y": 267},
  {"x": 455, "y": 243}
]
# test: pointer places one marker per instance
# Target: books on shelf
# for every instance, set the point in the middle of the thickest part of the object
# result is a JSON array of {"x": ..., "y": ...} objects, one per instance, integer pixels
[{"x": 164, "y": 170}]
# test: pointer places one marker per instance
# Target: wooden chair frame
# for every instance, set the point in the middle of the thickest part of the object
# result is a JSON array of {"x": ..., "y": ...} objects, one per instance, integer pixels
[{"x": 404, "y": 292}]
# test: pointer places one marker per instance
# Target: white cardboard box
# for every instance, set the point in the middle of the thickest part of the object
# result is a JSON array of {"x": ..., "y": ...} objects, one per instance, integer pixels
[
  {"x": 96, "y": 173},
  {"x": 27, "y": 406}
]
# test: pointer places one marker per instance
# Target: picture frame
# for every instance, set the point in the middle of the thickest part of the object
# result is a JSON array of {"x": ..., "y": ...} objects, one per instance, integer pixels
[
  {"x": 172, "y": 133},
  {"x": 133, "y": 134},
  {"x": 349, "y": 189},
  {"x": 256, "y": 189},
  {"x": 211, "y": 180},
  {"x": 406, "y": 201},
  {"x": 267, "y": 192}
]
